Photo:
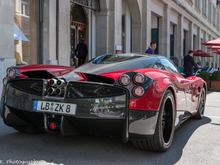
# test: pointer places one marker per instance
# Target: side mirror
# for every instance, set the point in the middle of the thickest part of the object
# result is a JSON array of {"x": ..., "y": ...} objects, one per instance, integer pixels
[
  {"x": 183, "y": 74},
  {"x": 198, "y": 72}
]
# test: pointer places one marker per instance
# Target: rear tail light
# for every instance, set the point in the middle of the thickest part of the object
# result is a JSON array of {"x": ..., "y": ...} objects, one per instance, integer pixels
[
  {"x": 125, "y": 80},
  {"x": 138, "y": 91},
  {"x": 136, "y": 83},
  {"x": 52, "y": 126},
  {"x": 139, "y": 78},
  {"x": 11, "y": 73}
]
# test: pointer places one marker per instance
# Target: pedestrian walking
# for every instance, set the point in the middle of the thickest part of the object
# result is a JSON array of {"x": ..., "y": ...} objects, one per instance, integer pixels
[
  {"x": 189, "y": 64},
  {"x": 81, "y": 52},
  {"x": 151, "y": 49}
]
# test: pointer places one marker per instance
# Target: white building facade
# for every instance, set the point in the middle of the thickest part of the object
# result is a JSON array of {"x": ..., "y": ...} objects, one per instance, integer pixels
[{"x": 54, "y": 27}]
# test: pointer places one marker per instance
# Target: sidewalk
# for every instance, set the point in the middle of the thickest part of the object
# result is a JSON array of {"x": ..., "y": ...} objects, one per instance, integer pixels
[{"x": 213, "y": 104}]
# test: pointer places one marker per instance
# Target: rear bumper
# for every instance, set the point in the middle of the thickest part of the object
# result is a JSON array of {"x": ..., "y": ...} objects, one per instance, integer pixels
[
  {"x": 142, "y": 122},
  {"x": 91, "y": 113},
  {"x": 112, "y": 107}
]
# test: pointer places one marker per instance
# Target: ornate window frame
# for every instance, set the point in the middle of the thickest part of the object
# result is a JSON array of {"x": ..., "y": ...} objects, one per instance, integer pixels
[{"x": 91, "y": 4}]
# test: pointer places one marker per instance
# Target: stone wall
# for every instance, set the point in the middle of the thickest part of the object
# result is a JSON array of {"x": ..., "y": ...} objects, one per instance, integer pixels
[{"x": 7, "y": 39}]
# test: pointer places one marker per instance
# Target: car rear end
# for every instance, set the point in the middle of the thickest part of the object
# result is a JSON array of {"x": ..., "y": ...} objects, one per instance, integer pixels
[
  {"x": 57, "y": 105},
  {"x": 84, "y": 103}
]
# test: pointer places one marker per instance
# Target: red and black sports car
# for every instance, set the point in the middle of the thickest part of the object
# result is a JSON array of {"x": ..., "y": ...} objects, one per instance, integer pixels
[{"x": 141, "y": 98}]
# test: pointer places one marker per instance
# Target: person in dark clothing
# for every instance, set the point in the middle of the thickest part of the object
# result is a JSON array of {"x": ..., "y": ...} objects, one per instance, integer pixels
[
  {"x": 151, "y": 49},
  {"x": 81, "y": 52},
  {"x": 189, "y": 63}
]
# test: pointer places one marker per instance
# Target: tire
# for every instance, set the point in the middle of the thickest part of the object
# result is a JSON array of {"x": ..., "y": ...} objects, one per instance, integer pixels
[
  {"x": 28, "y": 130},
  {"x": 201, "y": 108},
  {"x": 164, "y": 132}
]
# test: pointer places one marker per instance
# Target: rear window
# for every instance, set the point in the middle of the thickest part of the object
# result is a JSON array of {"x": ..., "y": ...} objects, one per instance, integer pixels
[{"x": 114, "y": 58}]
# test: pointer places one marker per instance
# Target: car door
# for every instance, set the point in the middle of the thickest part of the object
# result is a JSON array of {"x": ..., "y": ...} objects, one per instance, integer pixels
[
  {"x": 181, "y": 84},
  {"x": 192, "y": 96}
]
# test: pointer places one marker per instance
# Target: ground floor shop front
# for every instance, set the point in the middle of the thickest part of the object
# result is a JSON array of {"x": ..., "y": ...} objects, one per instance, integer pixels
[{"x": 48, "y": 31}]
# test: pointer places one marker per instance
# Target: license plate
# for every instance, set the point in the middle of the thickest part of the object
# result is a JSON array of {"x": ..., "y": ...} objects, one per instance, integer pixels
[{"x": 54, "y": 107}]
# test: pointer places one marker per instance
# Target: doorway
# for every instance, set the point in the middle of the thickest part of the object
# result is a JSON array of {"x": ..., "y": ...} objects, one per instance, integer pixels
[
  {"x": 27, "y": 32},
  {"x": 155, "y": 29},
  {"x": 78, "y": 28}
]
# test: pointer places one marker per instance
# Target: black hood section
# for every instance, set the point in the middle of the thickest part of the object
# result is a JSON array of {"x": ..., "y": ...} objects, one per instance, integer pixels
[
  {"x": 99, "y": 79},
  {"x": 98, "y": 69},
  {"x": 40, "y": 74}
]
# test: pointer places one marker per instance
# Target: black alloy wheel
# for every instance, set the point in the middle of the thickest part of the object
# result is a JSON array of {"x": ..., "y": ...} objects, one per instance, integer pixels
[
  {"x": 164, "y": 132},
  {"x": 201, "y": 106}
]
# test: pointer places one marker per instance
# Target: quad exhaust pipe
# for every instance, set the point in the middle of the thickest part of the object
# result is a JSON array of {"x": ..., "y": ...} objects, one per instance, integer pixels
[
  {"x": 56, "y": 87},
  {"x": 55, "y": 91},
  {"x": 51, "y": 91},
  {"x": 61, "y": 82},
  {"x": 56, "y": 82},
  {"x": 53, "y": 82},
  {"x": 60, "y": 91}
]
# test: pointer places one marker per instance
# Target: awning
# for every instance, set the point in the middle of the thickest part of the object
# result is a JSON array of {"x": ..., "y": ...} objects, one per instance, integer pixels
[
  {"x": 91, "y": 4},
  {"x": 217, "y": 51},
  {"x": 18, "y": 34},
  {"x": 214, "y": 47},
  {"x": 201, "y": 53},
  {"x": 215, "y": 42}
]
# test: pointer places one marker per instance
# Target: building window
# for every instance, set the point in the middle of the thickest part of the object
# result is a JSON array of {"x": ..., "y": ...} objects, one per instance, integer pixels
[
  {"x": 26, "y": 31},
  {"x": 202, "y": 48},
  {"x": 78, "y": 29},
  {"x": 210, "y": 12},
  {"x": 189, "y": 2},
  {"x": 25, "y": 8},
  {"x": 173, "y": 48},
  {"x": 204, "y": 7},
  {"x": 197, "y": 4},
  {"x": 218, "y": 21},
  {"x": 185, "y": 42},
  {"x": 204, "y": 40},
  {"x": 155, "y": 29},
  {"x": 90, "y": 4},
  {"x": 172, "y": 39},
  {"x": 214, "y": 16},
  {"x": 195, "y": 43},
  {"x": 126, "y": 27}
]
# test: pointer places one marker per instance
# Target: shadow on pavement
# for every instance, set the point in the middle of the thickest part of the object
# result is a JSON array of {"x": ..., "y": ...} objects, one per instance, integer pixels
[
  {"x": 90, "y": 150},
  {"x": 217, "y": 124}
]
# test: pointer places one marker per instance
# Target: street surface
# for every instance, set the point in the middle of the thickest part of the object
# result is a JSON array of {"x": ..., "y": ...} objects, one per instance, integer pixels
[{"x": 197, "y": 142}]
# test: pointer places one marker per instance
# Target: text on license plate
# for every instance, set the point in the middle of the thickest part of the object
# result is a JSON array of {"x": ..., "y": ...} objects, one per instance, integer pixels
[{"x": 54, "y": 107}]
